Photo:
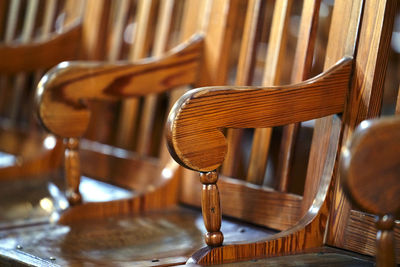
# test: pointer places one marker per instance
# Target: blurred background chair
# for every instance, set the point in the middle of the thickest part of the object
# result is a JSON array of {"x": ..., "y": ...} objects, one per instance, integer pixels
[{"x": 35, "y": 36}]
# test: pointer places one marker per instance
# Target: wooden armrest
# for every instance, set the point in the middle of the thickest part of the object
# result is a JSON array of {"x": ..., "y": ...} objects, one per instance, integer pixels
[
  {"x": 370, "y": 175},
  {"x": 62, "y": 92},
  {"x": 42, "y": 54},
  {"x": 194, "y": 124}
]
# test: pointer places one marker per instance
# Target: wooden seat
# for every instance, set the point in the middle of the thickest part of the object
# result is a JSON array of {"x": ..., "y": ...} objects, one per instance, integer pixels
[{"x": 161, "y": 196}]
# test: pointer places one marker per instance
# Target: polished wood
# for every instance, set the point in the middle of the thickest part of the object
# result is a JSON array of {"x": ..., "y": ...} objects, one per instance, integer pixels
[
  {"x": 300, "y": 72},
  {"x": 245, "y": 69},
  {"x": 41, "y": 55},
  {"x": 134, "y": 239},
  {"x": 364, "y": 103},
  {"x": 72, "y": 170},
  {"x": 361, "y": 165},
  {"x": 211, "y": 209},
  {"x": 196, "y": 142},
  {"x": 59, "y": 104},
  {"x": 205, "y": 136},
  {"x": 273, "y": 63}
]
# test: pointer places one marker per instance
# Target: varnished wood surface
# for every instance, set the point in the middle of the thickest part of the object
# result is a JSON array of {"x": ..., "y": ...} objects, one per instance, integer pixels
[
  {"x": 156, "y": 238},
  {"x": 322, "y": 257},
  {"x": 364, "y": 102},
  {"x": 371, "y": 166},
  {"x": 294, "y": 239},
  {"x": 248, "y": 202},
  {"x": 43, "y": 54},
  {"x": 32, "y": 157},
  {"x": 370, "y": 176},
  {"x": 193, "y": 134},
  {"x": 59, "y": 104}
]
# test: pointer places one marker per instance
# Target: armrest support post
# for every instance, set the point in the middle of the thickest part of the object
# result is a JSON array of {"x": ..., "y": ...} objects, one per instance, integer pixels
[
  {"x": 385, "y": 255},
  {"x": 72, "y": 170},
  {"x": 211, "y": 208}
]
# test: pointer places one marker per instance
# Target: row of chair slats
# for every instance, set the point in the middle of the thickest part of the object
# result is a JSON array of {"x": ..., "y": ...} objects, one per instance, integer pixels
[
  {"x": 21, "y": 78},
  {"x": 160, "y": 43},
  {"x": 275, "y": 56},
  {"x": 197, "y": 12},
  {"x": 138, "y": 50},
  {"x": 39, "y": 20},
  {"x": 243, "y": 77},
  {"x": 300, "y": 71}
]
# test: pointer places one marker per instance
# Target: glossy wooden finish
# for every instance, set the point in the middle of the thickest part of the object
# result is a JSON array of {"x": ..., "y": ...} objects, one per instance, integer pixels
[
  {"x": 211, "y": 209},
  {"x": 59, "y": 104},
  {"x": 196, "y": 142},
  {"x": 42, "y": 54},
  {"x": 367, "y": 88},
  {"x": 133, "y": 240},
  {"x": 372, "y": 183},
  {"x": 273, "y": 65}
]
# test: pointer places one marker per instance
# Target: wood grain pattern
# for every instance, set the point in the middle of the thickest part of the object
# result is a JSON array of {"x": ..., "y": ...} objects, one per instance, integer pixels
[
  {"x": 245, "y": 69},
  {"x": 300, "y": 72},
  {"x": 40, "y": 55},
  {"x": 367, "y": 87},
  {"x": 60, "y": 104},
  {"x": 196, "y": 141},
  {"x": 247, "y": 202},
  {"x": 294, "y": 239},
  {"x": 371, "y": 153},
  {"x": 273, "y": 63}
]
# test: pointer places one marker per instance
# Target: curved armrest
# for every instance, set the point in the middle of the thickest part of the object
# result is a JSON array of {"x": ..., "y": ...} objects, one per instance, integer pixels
[
  {"x": 43, "y": 54},
  {"x": 62, "y": 92},
  {"x": 194, "y": 124}
]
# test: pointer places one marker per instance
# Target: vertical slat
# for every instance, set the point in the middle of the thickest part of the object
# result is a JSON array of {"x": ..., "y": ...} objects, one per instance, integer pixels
[
  {"x": 117, "y": 30},
  {"x": 160, "y": 43},
  {"x": 12, "y": 20},
  {"x": 244, "y": 72},
  {"x": 49, "y": 14},
  {"x": 95, "y": 21},
  {"x": 199, "y": 12},
  {"x": 275, "y": 57},
  {"x": 301, "y": 71},
  {"x": 398, "y": 103},
  {"x": 130, "y": 107},
  {"x": 20, "y": 79}
]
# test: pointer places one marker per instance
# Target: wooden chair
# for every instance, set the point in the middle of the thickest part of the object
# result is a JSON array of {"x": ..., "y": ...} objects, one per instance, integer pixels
[
  {"x": 196, "y": 142},
  {"x": 370, "y": 172},
  {"x": 157, "y": 209},
  {"x": 149, "y": 213},
  {"x": 35, "y": 36},
  {"x": 33, "y": 39}
]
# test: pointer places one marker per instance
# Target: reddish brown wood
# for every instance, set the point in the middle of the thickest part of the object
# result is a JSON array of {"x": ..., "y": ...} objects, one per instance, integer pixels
[
  {"x": 364, "y": 102},
  {"x": 42, "y": 54},
  {"x": 196, "y": 141},
  {"x": 370, "y": 175},
  {"x": 72, "y": 170}
]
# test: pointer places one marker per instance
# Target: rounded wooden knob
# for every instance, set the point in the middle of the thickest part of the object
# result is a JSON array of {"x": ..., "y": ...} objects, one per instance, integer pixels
[
  {"x": 214, "y": 239},
  {"x": 73, "y": 197},
  {"x": 208, "y": 177},
  {"x": 370, "y": 170}
]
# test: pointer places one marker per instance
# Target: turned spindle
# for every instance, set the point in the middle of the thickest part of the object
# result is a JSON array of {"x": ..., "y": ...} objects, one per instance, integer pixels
[
  {"x": 385, "y": 249},
  {"x": 72, "y": 170},
  {"x": 211, "y": 209}
]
